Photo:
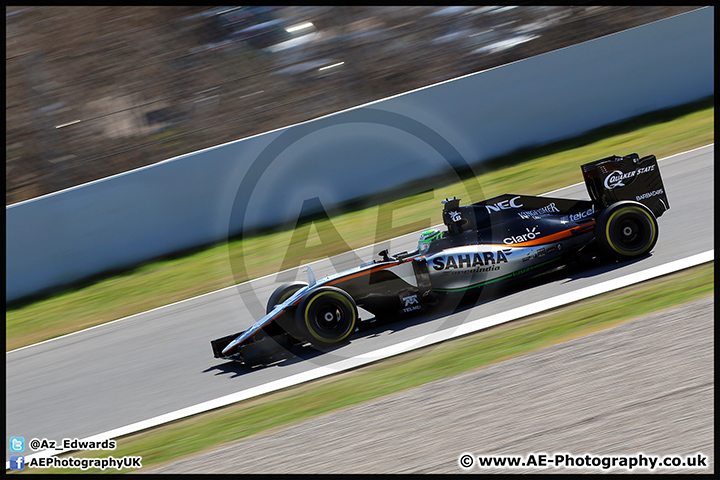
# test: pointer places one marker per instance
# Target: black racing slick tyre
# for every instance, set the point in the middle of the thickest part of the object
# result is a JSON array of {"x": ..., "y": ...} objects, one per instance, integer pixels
[
  {"x": 326, "y": 317},
  {"x": 282, "y": 293},
  {"x": 286, "y": 321},
  {"x": 626, "y": 230}
]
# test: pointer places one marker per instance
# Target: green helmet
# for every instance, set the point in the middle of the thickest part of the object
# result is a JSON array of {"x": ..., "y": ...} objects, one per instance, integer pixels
[{"x": 427, "y": 237}]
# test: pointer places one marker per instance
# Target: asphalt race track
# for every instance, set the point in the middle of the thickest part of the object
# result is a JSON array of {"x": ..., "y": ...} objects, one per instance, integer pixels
[
  {"x": 646, "y": 386},
  {"x": 160, "y": 361}
]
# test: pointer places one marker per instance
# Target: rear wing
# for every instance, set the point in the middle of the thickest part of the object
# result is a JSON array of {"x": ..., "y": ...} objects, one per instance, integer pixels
[{"x": 617, "y": 178}]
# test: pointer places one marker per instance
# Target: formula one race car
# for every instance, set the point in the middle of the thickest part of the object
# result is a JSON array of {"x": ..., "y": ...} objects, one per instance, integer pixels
[{"x": 502, "y": 238}]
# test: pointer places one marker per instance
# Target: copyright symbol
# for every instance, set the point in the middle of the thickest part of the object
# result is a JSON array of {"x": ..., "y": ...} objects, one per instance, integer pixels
[
  {"x": 34, "y": 444},
  {"x": 466, "y": 460}
]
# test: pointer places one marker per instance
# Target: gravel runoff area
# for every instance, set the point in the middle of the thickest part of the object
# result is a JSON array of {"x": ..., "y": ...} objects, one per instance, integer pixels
[{"x": 646, "y": 386}]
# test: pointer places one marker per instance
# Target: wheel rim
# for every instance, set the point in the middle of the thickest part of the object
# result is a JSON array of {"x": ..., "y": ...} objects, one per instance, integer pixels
[
  {"x": 631, "y": 234},
  {"x": 326, "y": 317},
  {"x": 329, "y": 318}
]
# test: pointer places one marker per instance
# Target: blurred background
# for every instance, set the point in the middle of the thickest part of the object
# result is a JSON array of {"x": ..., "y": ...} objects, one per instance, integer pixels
[{"x": 96, "y": 91}]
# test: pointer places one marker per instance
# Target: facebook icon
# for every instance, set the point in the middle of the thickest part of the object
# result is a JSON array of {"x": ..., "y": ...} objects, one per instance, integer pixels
[{"x": 17, "y": 462}]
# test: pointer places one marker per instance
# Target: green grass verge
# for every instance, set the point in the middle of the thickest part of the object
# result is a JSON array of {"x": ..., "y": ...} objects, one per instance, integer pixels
[
  {"x": 210, "y": 430},
  {"x": 182, "y": 276}
]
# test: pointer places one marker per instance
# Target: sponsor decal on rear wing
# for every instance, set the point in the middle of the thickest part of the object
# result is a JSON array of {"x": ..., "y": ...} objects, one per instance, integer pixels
[{"x": 617, "y": 178}]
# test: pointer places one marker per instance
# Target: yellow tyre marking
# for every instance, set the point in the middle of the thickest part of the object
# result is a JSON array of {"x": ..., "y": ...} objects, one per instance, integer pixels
[
  {"x": 287, "y": 295},
  {"x": 307, "y": 323},
  {"x": 623, "y": 210}
]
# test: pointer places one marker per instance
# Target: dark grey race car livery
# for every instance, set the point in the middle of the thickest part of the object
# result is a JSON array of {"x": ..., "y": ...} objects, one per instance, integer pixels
[{"x": 501, "y": 238}]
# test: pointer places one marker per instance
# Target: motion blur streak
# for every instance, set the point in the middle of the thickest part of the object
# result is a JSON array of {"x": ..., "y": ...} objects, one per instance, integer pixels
[
  {"x": 464, "y": 329},
  {"x": 135, "y": 86}
]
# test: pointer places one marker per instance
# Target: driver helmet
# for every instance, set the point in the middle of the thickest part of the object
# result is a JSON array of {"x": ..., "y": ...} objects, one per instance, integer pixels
[{"x": 428, "y": 237}]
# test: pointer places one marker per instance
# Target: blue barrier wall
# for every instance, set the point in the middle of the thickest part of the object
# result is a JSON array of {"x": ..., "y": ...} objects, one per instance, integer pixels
[{"x": 263, "y": 180}]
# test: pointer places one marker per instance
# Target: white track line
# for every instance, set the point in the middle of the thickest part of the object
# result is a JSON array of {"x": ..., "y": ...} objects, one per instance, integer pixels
[
  {"x": 278, "y": 273},
  {"x": 406, "y": 346}
]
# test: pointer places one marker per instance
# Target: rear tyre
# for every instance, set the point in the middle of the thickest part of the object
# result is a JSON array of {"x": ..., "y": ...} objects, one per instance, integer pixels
[
  {"x": 626, "y": 230},
  {"x": 326, "y": 317}
]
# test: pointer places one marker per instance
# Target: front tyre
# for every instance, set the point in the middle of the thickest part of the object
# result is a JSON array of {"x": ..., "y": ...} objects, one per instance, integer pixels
[
  {"x": 626, "y": 230},
  {"x": 326, "y": 317},
  {"x": 286, "y": 321},
  {"x": 282, "y": 293}
]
